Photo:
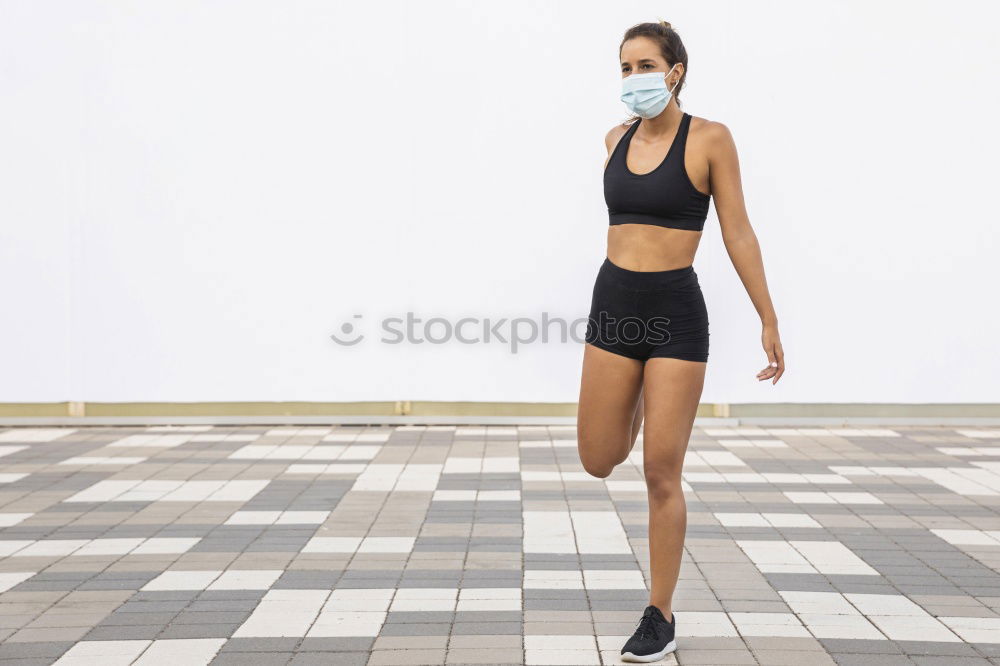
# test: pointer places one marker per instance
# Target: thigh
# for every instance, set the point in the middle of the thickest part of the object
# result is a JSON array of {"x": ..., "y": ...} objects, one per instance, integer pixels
[
  {"x": 682, "y": 305},
  {"x": 610, "y": 389},
  {"x": 672, "y": 389}
]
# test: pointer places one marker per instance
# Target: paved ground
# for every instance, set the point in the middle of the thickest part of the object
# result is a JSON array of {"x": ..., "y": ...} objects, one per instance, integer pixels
[{"x": 413, "y": 545}]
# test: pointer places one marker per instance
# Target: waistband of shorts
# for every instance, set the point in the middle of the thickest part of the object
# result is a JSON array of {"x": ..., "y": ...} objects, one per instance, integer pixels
[{"x": 647, "y": 279}]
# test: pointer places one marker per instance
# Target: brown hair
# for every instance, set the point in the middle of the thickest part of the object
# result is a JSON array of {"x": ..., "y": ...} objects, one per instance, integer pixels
[{"x": 671, "y": 47}]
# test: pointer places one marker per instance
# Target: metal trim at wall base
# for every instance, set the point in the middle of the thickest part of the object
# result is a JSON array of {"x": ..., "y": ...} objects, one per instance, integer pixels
[
  {"x": 703, "y": 421},
  {"x": 484, "y": 413}
]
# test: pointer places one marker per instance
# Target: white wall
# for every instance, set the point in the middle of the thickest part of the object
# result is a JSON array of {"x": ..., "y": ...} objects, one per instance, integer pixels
[{"x": 193, "y": 196}]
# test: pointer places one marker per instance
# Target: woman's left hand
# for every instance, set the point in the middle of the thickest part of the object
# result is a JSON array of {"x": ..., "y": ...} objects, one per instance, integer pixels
[{"x": 775, "y": 356}]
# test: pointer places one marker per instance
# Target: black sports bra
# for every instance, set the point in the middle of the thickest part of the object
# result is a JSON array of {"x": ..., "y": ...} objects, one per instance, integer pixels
[{"x": 664, "y": 197}]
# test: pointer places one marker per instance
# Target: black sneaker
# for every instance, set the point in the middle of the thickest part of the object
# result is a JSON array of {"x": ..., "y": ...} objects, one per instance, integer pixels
[{"x": 653, "y": 638}]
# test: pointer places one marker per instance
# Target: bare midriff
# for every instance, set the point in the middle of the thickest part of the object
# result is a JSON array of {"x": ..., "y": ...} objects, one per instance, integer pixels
[{"x": 644, "y": 247}]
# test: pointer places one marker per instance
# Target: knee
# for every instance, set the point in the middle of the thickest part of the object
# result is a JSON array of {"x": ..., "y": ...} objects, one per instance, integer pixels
[
  {"x": 663, "y": 482},
  {"x": 598, "y": 469},
  {"x": 597, "y": 454}
]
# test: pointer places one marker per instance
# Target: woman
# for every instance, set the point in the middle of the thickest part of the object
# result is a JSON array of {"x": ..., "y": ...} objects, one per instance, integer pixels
[{"x": 647, "y": 338}]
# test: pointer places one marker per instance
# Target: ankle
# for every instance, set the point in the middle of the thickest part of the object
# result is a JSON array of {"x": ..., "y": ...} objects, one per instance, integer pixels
[{"x": 665, "y": 609}]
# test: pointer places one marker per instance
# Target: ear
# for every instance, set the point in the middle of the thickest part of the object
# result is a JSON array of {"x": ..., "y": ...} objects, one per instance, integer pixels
[{"x": 678, "y": 73}]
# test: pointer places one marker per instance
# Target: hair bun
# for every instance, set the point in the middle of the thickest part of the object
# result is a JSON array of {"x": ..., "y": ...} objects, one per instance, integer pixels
[{"x": 666, "y": 24}]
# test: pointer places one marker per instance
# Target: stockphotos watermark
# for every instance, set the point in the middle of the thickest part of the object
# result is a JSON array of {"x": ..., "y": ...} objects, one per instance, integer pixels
[{"x": 514, "y": 332}]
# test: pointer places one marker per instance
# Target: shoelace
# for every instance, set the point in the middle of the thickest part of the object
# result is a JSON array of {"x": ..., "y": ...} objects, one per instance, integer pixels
[{"x": 647, "y": 626}]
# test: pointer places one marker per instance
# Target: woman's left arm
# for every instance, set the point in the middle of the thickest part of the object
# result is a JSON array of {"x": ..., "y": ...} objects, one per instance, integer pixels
[{"x": 741, "y": 241}]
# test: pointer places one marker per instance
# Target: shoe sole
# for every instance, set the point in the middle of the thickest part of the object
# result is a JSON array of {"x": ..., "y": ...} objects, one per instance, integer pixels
[{"x": 646, "y": 658}]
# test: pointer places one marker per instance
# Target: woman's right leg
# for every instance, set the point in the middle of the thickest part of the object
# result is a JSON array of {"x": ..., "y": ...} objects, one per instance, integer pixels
[{"x": 609, "y": 413}]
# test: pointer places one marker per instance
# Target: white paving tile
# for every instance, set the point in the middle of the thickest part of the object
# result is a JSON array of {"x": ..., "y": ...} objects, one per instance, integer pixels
[
  {"x": 250, "y": 579},
  {"x": 283, "y": 613},
  {"x": 350, "y": 469},
  {"x": 151, "y": 441},
  {"x": 181, "y": 580},
  {"x": 845, "y": 626},
  {"x": 820, "y": 497},
  {"x": 775, "y": 556},
  {"x": 833, "y": 558},
  {"x": 425, "y": 599},
  {"x": 11, "y": 519},
  {"x": 35, "y": 434},
  {"x": 621, "y": 486},
  {"x": 773, "y": 625},
  {"x": 557, "y": 642},
  {"x": 979, "y": 433},
  {"x": 753, "y": 443},
  {"x": 122, "y": 546},
  {"x": 712, "y": 459},
  {"x": 11, "y": 546},
  {"x": 345, "y": 544},
  {"x": 489, "y": 605},
  {"x": 745, "y": 519},
  {"x": 289, "y": 452},
  {"x": 302, "y": 518},
  {"x": 103, "y": 491},
  {"x": 9, "y": 579},
  {"x": 974, "y": 629},
  {"x": 105, "y": 653},
  {"x": 705, "y": 624},
  {"x": 418, "y": 476},
  {"x": 613, "y": 579},
  {"x": 170, "y": 491},
  {"x": 165, "y": 546},
  {"x": 102, "y": 460},
  {"x": 386, "y": 544},
  {"x": 548, "y": 532},
  {"x": 967, "y": 537},
  {"x": 956, "y": 483},
  {"x": 969, "y": 451},
  {"x": 776, "y": 520},
  {"x": 553, "y": 580},
  {"x": 378, "y": 477},
  {"x": 923, "y": 628},
  {"x": 224, "y": 437},
  {"x": 600, "y": 533},
  {"x": 362, "y": 599},
  {"x": 828, "y": 603},
  {"x": 343, "y": 624},
  {"x": 790, "y": 520},
  {"x": 552, "y": 657},
  {"x": 360, "y": 452},
  {"x": 885, "y": 604},
  {"x": 253, "y": 518},
  {"x": 52, "y": 548},
  {"x": 176, "y": 651}
]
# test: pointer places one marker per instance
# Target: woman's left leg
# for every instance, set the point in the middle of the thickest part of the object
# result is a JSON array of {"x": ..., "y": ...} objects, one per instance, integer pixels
[{"x": 672, "y": 390}]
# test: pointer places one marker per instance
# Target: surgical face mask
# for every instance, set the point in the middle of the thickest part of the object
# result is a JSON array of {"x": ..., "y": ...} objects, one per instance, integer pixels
[{"x": 646, "y": 94}]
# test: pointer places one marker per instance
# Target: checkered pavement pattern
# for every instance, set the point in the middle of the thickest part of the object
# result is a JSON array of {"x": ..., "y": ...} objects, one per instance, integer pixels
[{"x": 490, "y": 545}]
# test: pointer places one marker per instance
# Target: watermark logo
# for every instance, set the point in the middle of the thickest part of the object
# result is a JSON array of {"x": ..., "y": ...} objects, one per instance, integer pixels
[
  {"x": 514, "y": 332},
  {"x": 348, "y": 329}
]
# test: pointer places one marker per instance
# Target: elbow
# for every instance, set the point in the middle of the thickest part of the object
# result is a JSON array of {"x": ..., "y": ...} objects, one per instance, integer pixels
[{"x": 739, "y": 238}]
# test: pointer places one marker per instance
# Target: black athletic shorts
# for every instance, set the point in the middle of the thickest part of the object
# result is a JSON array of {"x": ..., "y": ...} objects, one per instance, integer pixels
[{"x": 649, "y": 314}]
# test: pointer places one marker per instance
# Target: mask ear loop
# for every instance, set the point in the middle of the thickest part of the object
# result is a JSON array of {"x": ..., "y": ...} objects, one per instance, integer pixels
[{"x": 671, "y": 90}]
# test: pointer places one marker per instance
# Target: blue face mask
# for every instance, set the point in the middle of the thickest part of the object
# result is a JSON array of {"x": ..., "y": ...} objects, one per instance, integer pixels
[{"x": 646, "y": 94}]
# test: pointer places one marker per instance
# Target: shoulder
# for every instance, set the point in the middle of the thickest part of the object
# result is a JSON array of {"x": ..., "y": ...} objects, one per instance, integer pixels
[
  {"x": 711, "y": 133},
  {"x": 615, "y": 134},
  {"x": 713, "y": 138}
]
